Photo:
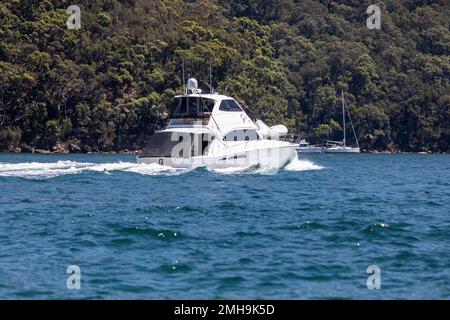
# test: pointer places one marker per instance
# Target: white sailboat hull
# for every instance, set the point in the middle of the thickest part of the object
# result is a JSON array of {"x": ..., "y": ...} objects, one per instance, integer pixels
[{"x": 341, "y": 149}]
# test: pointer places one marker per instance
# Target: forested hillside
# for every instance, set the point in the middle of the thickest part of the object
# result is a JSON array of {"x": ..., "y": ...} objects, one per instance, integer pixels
[{"x": 107, "y": 85}]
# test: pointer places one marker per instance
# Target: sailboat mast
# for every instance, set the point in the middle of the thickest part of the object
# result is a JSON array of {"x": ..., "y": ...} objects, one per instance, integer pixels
[{"x": 343, "y": 118}]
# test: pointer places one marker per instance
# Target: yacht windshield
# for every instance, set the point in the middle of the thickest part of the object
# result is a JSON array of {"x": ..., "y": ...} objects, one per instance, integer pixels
[
  {"x": 191, "y": 107},
  {"x": 229, "y": 105}
]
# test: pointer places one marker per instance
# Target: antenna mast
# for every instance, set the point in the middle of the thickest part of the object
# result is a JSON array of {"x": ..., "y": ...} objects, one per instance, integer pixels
[{"x": 184, "y": 80}]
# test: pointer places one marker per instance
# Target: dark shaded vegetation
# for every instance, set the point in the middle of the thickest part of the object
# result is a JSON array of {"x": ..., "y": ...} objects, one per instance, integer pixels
[{"x": 107, "y": 85}]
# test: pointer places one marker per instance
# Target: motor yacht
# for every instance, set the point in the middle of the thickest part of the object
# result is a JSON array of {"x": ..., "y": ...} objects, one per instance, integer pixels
[{"x": 212, "y": 130}]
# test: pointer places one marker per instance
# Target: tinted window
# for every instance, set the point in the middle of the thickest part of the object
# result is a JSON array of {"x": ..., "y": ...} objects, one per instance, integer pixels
[
  {"x": 177, "y": 144},
  {"x": 242, "y": 135},
  {"x": 191, "y": 107},
  {"x": 161, "y": 144},
  {"x": 229, "y": 105}
]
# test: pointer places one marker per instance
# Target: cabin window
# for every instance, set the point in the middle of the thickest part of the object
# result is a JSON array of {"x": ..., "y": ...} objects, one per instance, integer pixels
[
  {"x": 177, "y": 144},
  {"x": 242, "y": 135},
  {"x": 200, "y": 143},
  {"x": 162, "y": 144},
  {"x": 229, "y": 105},
  {"x": 206, "y": 141},
  {"x": 191, "y": 107}
]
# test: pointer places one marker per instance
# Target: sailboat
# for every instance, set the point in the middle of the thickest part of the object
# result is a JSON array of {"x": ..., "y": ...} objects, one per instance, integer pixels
[{"x": 341, "y": 146}]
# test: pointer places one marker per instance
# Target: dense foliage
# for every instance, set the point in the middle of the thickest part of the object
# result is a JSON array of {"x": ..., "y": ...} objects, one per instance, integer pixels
[{"x": 107, "y": 84}]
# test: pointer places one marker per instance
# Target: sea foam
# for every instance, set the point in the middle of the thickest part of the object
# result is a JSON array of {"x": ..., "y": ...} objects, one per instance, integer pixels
[
  {"x": 45, "y": 170},
  {"x": 301, "y": 165}
]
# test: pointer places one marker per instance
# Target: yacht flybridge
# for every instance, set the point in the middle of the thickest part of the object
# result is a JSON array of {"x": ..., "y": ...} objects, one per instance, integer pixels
[{"x": 213, "y": 131}]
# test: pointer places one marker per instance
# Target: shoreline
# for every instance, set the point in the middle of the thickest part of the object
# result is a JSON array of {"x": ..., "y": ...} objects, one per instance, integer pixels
[
  {"x": 64, "y": 151},
  {"x": 47, "y": 152},
  {"x": 30, "y": 150}
]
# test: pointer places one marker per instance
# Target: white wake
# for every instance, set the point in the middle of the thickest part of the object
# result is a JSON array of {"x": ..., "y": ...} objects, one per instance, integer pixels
[
  {"x": 45, "y": 170},
  {"x": 54, "y": 169},
  {"x": 295, "y": 165},
  {"x": 302, "y": 165}
]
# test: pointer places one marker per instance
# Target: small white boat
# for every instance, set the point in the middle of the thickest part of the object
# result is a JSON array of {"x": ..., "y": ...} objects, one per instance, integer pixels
[
  {"x": 213, "y": 131},
  {"x": 341, "y": 146},
  {"x": 305, "y": 147}
]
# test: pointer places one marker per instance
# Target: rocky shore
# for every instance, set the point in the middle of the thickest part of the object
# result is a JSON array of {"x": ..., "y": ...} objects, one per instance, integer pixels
[
  {"x": 76, "y": 148},
  {"x": 66, "y": 149}
]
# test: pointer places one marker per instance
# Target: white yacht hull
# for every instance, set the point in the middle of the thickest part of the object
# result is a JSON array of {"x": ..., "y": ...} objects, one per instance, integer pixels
[{"x": 274, "y": 157}]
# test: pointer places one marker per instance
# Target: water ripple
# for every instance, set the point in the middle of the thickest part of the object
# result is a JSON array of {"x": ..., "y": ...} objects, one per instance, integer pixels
[{"x": 151, "y": 233}]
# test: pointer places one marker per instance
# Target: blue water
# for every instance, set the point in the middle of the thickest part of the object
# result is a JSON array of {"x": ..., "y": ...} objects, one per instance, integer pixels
[{"x": 140, "y": 232}]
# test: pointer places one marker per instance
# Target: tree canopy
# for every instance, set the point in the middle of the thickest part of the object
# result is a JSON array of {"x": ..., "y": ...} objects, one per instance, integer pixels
[{"x": 108, "y": 84}]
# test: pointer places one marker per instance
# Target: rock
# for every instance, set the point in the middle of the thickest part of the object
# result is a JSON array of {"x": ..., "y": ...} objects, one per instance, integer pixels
[
  {"x": 26, "y": 149},
  {"x": 86, "y": 149},
  {"x": 54, "y": 149},
  {"x": 42, "y": 151},
  {"x": 60, "y": 148},
  {"x": 18, "y": 150},
  {"x": 73, "y": 148}
]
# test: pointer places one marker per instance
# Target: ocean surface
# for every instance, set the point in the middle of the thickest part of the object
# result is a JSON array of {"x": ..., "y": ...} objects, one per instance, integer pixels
[{"x": 150, "y": 232}]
